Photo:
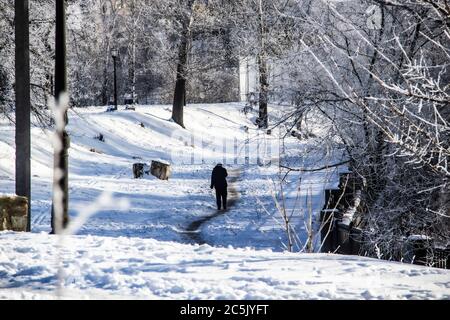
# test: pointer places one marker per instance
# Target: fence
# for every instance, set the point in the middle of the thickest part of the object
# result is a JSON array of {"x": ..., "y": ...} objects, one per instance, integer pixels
[
  {"x": 421, "y": 250},
  {"x": 346, "y": 238}
]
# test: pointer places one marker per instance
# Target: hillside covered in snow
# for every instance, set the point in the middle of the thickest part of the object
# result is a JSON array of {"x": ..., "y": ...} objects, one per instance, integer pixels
[{"x": 155, "y": 239}]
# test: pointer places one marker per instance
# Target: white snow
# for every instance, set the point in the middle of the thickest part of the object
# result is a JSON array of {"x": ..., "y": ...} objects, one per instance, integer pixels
[
  {"x": 106, "y": 267},
  {"x": 142, "y": 249}
]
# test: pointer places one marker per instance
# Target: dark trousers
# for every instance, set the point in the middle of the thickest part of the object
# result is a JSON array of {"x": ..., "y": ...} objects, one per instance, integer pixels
[{"x": 221, "y": 197}]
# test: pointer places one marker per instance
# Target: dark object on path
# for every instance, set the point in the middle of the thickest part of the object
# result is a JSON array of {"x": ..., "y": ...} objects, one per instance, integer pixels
[
  {"x": 160, "y": 170},
  {"x": 111, "y": 109},
  {"x": 100, "y": 137},
  {"x": 95, "y": 150},
  {"x": 219, "y": 182},
  {"x": 138, "y": 170}
]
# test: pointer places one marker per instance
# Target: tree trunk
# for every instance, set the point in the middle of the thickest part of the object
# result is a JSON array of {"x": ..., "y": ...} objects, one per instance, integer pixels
[
  {"x": 263, "y": 94},
  {"x": 61, "y": 182},
  {"x": 263, "y": 121},
  {"x": 23, "y": 106},
  {"x": 132, "y": 70},
  {"x": 179, "y": 97}
]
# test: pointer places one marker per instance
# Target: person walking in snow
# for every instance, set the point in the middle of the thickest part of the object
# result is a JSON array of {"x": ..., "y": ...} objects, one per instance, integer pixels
[{"x": 219, "y": 182}]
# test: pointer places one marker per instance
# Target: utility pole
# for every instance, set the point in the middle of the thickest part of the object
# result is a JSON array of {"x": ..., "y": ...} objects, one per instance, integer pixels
[
  {"x": 61, "y": 164},
  {"x": 23, "y": 106}
]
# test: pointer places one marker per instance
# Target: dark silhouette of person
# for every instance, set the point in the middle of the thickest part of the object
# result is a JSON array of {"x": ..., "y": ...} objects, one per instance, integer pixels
[{"x": 219, "y": 182}]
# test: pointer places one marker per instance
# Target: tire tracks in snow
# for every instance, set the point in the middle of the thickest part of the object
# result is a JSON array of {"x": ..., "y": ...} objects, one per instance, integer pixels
[{"x": 193, "y": 230}]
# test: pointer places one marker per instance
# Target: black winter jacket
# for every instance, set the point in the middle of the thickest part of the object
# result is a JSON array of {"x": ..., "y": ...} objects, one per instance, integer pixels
[{"x": 218, "y": 178}]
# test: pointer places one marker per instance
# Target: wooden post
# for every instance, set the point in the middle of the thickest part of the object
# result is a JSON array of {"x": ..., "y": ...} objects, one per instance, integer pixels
[
  {"x": 327, "y": 231},
  {"x": 23, "y": 106}
]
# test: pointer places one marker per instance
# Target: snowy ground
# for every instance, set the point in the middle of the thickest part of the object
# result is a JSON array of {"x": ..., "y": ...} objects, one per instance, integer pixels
[
  {"x": 103, "y": 267},
  {"x": 143, "y": 251},
  {"x": 162, "y": 209}
]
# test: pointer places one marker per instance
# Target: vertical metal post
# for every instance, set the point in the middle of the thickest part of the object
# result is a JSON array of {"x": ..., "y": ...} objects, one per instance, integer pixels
[
  {"x": 115, "y": 83},
  {"x": 23, "y": 107},
  {"x": 60, "y": 49}
]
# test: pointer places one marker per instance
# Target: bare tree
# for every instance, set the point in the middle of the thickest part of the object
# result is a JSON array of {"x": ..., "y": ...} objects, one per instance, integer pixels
[{"x": 179, "y": 96}]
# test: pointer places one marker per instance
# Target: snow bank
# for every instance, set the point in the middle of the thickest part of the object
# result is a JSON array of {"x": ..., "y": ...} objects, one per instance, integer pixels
[{"x": 105, "y": 268}]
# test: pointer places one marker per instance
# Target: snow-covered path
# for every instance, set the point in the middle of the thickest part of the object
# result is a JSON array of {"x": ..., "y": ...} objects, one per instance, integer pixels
[
  {"x": 162, "y": 209},
  {"x": 194, "y": 229}
]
